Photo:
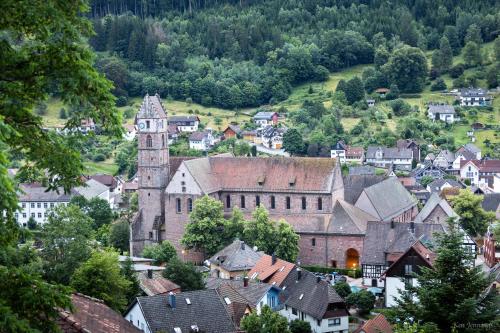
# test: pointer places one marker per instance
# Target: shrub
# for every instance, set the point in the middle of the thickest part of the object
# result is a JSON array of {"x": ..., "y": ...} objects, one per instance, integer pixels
[
  {"x": 457, "y": 70},
  {"x": 62, "y": 114},
  {"x": 400, "y": 107},
  {"x": 121, "y": 101},
  {"x": 99, "y": 158},
  {"x": 439, "y": 85}
]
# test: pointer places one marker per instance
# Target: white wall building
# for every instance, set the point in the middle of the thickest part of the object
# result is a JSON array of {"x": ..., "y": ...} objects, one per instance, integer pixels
[
  {"x": 185, "y": 123},
  {"x": 442, "y": 112},
  {"x": 201, "y": 140}
]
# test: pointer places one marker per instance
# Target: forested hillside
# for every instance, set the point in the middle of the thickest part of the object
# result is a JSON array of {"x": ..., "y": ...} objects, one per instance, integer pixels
[{"x": 234, "y": 54}]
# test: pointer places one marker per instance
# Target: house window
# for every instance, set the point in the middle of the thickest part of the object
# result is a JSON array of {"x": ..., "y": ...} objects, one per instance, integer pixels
[
  {"x": 148, "y": 124},
  {"x": 304, "y": 203},
  {"x": 320, "y": 204},
  {"x": 288, "y": 204},
  {"x": 51, "y": 205},
  {"x": 149, "y": 141},
  {"x": 39, "y": 215},
  {"x": 294, "y": 311},
  {"x": 333, "y": 322},
  {"x": 302, "y": 316},
  {"x": 313, "y": 241},
  {"x": 190, "y": 205},
  {"x": 257, "y": 201},
  {"x": 179, "y": 205},
  {"x": 32, "y": 205},
  {"x": 184, "y": 189},
  {"x": 242, "y": 201},
  {"x": 33, "y": 215},
  {"x": 228, "y": 201},
  {"x": 16, "y": 215},
  {"x": 408, "y": 269},
  {"x": 273, "y": 202},
  {"x": 24, "y": 205},
  {"x": 38, "y": 205},
  {"x": 150, "y": 235},
  {"x": 44, "y": 205},
  {"x": 24, "y": 215}
]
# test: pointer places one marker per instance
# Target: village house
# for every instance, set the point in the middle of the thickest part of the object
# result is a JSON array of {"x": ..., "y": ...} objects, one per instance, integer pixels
[
  {"x": 184, "y": 123},
  {"x": 400, "y": 274},
  {"x": 385, "y": 242},
  {"x": 249, "y": 135},
  {"x": 398, "y": 158},
  {"x": 130, "y": 132},
  {"x": 153, "y": 283},
  {"x": 266, "y": 118},
  {"x": 370, "y": 103},
  {"x": 190, "y": 311},
  {"x": 233, "y": 261},
  {"x": 491, "y": 203},
  {"x": 438, "y": 185},
  {"x": 480, "y": 172},
  {"x": 91, "y": 315},
  {"x": 491, "y": 248},
  {"x": 474, "y": 97},
  {"x": 201, "y": 140},
  {"x": 232, "y": 131},
  {"x": 382, "y": 92},
  {"x": 272, "y": 137},
  {"x": 410, "y": 144},
  {"x": 271, "y": 270},
  {"x": 347, "y": 154},
  {"x": 444, "y": 159},
  {"x": 442, "y": 112},
  {"x": 236, "y": 305},
  {"x": 466, "y": 153},
  {"x": 173, "y": 133},
  {"x": 388, "y": 201},
  {"x": 427, "y": 169},
  {"x": 377, "y": 324},
  {"x": 313, "y": 300}
]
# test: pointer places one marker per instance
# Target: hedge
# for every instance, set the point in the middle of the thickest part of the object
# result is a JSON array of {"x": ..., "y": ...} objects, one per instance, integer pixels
[{"x": 354, "y": 273}]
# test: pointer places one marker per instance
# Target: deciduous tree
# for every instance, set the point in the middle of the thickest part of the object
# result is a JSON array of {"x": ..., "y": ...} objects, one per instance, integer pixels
[
  {"x": 161, "y": 253},
  {"x": 473, "y": 218},
  {"x": 407, "y": 67},
  {"x": 267, "y": 322},
  {"x": 184, "y": 274}
]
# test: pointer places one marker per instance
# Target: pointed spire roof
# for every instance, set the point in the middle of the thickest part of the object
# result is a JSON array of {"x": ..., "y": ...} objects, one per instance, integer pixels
[{"x": 152, "y": 107}]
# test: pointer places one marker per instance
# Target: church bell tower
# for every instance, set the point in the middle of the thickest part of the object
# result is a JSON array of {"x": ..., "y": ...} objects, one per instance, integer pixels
[{"x": 153, "y": 173}]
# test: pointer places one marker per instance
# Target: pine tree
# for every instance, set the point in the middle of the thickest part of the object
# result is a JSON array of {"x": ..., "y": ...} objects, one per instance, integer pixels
[
  {"x": 446, "y": 54},
  {"x": 473, "y": 35},
  {"x": 472, "y": 54},
  {"x": 450, "y": 32}
]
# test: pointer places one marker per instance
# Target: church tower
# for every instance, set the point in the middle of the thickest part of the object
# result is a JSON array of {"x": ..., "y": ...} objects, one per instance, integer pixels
[{"x": 153, "y": 173}]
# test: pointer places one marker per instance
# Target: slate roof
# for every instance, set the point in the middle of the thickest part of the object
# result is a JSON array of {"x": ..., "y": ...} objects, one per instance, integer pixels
[
  {"x": 378, "y": 324},
  {"x": 265, "y": 271},
  {"x": 484, "y": 165},
  {"x": 311, "y": 296},
  {"x": 473, "y": 92},
  {"x": 391, "y": 153},
  {"x": 182, "y": 119},
  {"x": 389, "y": 198},
  {"x": 434, "y": 201},
  {"x": 207, "y": 311},
  {"x": 236, "y": 129},
  {"x": 441, "y": 109},
  {"x": 361, "y": 170},
  {"x": 107, "y": 180},
  {"x": 348, "y": 219},
  {"x": 237, "y": 256},
  {"x": 151, "y": 107},
  {"x": 252, "y": 293},
  {"x": 156, "y": 285},
  {"x": 238, "y": 305},
  {"x": 491, "y": 202},
  {"x": 405, "y": 143},
  {"x": 381, "y": 239},
  {"x": 197, "y": 136},
  {"x": 436, "y": 185},
  {"x": 472, "y": 148},
  {"x": 355, "y": 184},
  {"x": 447, "y": 155},
  {"x": 92, "y": 315},
  {"x": 92, "y": 189},
  {"x": 37, "y": 192},
  {"x": 270, "y": 174},
  {"x": 425, "y": 254},
  {"x": 467, "y": 154}
]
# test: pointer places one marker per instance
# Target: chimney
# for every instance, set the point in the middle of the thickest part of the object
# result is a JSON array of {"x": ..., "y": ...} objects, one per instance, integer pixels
[
  {"x": 245, "y": 281},
  {"x": 243, "y": 245},
  {"x": 412, "y": 227},
  {"x": 150, "y": 273},
  {"x": 171, "y": 300},
  {"x": 392, "y": 224},
  {"x": 273, "y": 259},
  {"x": 299, "y": 273}
]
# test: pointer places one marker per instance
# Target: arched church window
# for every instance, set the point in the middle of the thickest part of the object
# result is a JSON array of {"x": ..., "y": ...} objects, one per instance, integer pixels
[
  {"x": 149, "y": 141},
  {"x": 163, "y": 141}
]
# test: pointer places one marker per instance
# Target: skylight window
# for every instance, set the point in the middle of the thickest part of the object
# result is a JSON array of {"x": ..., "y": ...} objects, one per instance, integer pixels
[
  {"x": 301, "y": 296},
  {"x": 282, "y": 268},
  {"x": 188, "y": 301},
  {"x": 254, "y": 275},
  {"x": 177, "y": 330},
  {"x": 227, "y": 300}
]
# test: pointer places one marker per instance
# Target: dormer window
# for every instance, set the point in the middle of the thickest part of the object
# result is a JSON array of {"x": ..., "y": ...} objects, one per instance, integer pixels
[
  {"x": 261, "y": 180},
  {"x": 291, "y": 181}
]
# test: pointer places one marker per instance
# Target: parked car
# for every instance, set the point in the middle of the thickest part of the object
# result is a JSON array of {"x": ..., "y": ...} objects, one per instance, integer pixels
[{"x": 337, "y": 277}]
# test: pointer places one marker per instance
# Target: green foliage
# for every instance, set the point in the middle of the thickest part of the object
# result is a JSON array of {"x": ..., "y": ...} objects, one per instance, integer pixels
[
  {"x": 439, "y": 85},
  {"x": 473, "y": 35},
  {"x": 63, "y": 114},
  {"x": 473, "y": 218},
  {"x": 96, "y": 208},
  {"x": 101, "y": 277},
  {"x": 270, "y": 236},
  {"x": 161, "y": 253},
  {"x": 126, "y": 158},
  {"x": 353, "y": 90},
  {"x": 66, "y": 240},
  {"x": 41, "y": 109},
  {"x": 426, "y": 180},
  {"x": 119, "y": 234},
  {"x": 446, "y": 54},
  {"x": 184, "y": 274},
  {"x": 343, "y": 289},
  {"x": 451, "y": 293},
  {"x": 206, "y": 222},
  {"x": 472, "y": 54},
  {"x": 293, "y": 142},
  {"x": 363, "y": 300},
  {"x": 407, "y": 67},
  {"x": 300, "y": 326},
  {"x": 496, "y": 49},
  {"x": 32, "y": 225},
  {"x": 130, "y": 275},
  {"x": 400, "y": 107},
  {"x": 267, "y": 322}
]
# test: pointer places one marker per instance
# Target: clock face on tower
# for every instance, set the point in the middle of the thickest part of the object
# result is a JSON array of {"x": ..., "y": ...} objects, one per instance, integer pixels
[{"x": 141, "y": 126}]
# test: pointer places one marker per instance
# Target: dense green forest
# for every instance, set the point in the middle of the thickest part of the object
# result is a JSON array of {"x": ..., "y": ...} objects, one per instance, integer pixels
[{"x": 234, "y": 54}]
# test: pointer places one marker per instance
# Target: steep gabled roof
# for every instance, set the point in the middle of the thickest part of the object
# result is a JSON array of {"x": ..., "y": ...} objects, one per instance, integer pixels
[
  {"x": 389, "y": 198},
  {"x": 92, "y": 315},
  {"x": 151, "y": 107},
  {"x": 483, "y": 165},
  {"x": 265, "y": 271},
  {"x": 441, "y": 109},
  {"x": 392, "y": 153},
  {"x": 157, "y": 284},
  {"x": 378, "y": 324},
  {"x": 348, "y": 219},
  {"x": 421, "y": 250},
  {"x": 311, "y": 296},
  {"x": 434, "y": 201},
  {"x": 236, "y": 256},
  {"x": 203, "y": 308},
  {"x": 355, "y": 184}
]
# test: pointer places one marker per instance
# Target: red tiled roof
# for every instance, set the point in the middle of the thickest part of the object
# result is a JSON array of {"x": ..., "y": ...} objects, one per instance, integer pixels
[
  {"x": 269, "y": 273},
  {"x": 107, "y": 180},
  {"x": 355, "y": 151},
  {"x": 92, "y": 315},
  {"x": 483, "y": 165},
  {"x": 378, "y": 324},
  {"x": 157, "y": 285}
]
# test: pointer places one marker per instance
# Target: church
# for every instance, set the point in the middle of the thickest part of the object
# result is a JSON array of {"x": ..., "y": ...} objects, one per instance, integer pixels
[{"x": 308, "y": 193}]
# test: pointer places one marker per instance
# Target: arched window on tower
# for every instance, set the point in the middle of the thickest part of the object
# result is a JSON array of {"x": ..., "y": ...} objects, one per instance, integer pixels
[
  {"x": 163, "y": 141},
  {"x": 149, "y": 141}
]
